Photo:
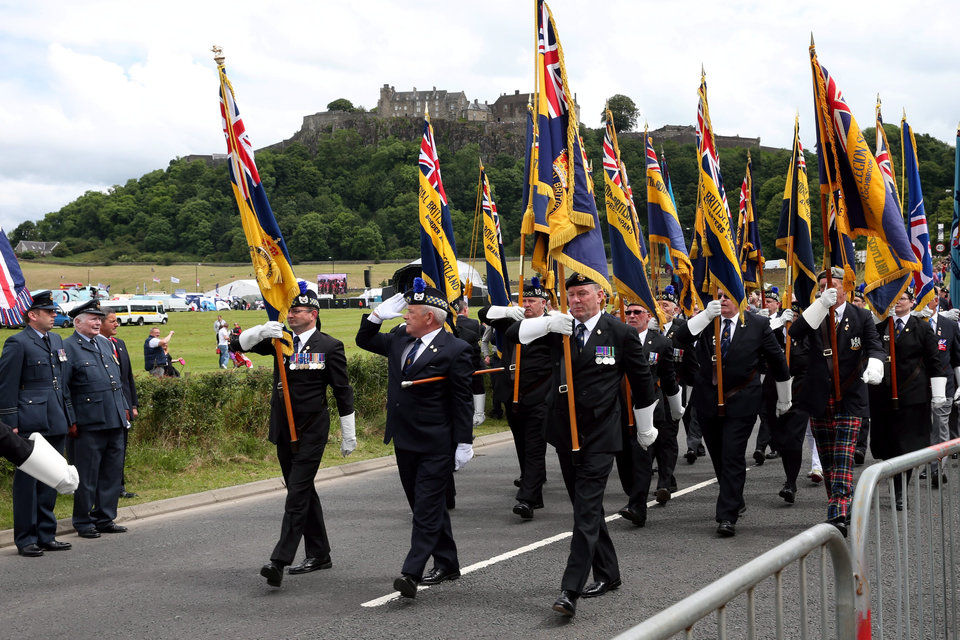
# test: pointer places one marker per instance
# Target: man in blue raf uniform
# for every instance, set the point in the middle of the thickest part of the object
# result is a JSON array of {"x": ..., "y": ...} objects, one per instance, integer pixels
[
  {"x": 102, "y": 415},
  {"x": 603, "y": 351},
  {"x": 430, "y": 424},
  {"x": 318, "y": 361},
  {"x": 34, "y": 399}
]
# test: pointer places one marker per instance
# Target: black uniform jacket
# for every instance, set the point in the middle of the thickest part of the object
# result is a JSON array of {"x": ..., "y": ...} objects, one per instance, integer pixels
[
  {"x": 536, "y": 361},
  {"x": 33, "y": 384},
  {"x": 684, "y": 353},
  {"x": 434, "y": 416},
  {"x": 948, "y": 349},
  {"x": 322, "y": 363},
  {"x": 917, "y": 362},
  {"x": 857, "y": 341},
  {"x": 612, "y": 351},
  {"x": 753, "y": 345},
  {"x": 96, "y": 387}
]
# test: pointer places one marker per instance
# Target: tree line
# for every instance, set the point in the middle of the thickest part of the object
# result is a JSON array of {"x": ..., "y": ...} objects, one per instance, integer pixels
[{"x": 357, "y": 200}]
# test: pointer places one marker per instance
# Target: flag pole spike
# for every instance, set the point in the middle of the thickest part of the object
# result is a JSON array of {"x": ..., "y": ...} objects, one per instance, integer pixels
[
  {"x": 811, "y": 39},
  {"x": 218, "y": 56}
]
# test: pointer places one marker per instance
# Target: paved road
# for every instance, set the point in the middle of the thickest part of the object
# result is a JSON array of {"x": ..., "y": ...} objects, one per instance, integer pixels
[{"x": 194, "y": 574}]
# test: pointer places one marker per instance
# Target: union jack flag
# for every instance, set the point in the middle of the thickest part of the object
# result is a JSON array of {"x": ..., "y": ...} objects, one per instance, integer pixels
[
  {"x": 549, "y": 48},
  {"x": 15, "y": 299},
  {"x": 919, "y": 233},
  {"x": 430, "y": 163},
  {"x": 883, "y": 154}
]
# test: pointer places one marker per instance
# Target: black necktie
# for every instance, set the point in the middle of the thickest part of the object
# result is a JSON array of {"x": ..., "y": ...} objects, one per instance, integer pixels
[
  {"x": 46, "y": 343},
  {"x": 581, "y": 335},
  {"x": 899, "y": 327},
  {"x": 296, "y": 344},
  {"x": 725, "y": 337},
  {"x": 411, "y": 356}
]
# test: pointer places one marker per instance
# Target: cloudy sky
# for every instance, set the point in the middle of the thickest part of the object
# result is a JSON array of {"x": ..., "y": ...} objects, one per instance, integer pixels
[{"x": 94, "y": 93}]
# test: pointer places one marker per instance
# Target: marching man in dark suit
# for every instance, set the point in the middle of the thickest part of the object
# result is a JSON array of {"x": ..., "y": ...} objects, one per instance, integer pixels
[
  {"x": 745, "y": 345},
  {"x": 686, "y": 366},
  {"x": 528, "y": 417},
  {"x": 34, "y": 399},
  {"x": 836, "y": 422},
  {"x": 904, "y": 426},
  {"x": 430, "y": 424},
  {"x": 603, "y": 351},
  {"x": 634, "y": 463},
  {"x": 318, "y": 361},
  {"x": 96, "y": 389},
  {"x": 944, "y": 325}
]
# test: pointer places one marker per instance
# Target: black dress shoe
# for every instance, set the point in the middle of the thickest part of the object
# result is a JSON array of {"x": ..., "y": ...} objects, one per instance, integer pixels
[
  {"x": 758, "y": 457},
  {"x": 523, "y": 509},
  {"x": 55, "y": 545},
  {"x": 743, "y": 509},
  {"x": 113, "y": 527},
  {"x": 840, "y": 522},
  {"x": 406, "y": 585},
  {"x": 923, "y": 475},
  {"x": 691, "y": 456},
  {"x": 634, "y": 515},
  {"x": 88, "y": 533},
  {"x": 859, "y": 456},
  {"x": 663, "y": 495},
  {"x": 566, "y": 604},
  {"x": 273, "y": 572},
  {"x": 600, "y": 587},
  {"x": 127, "y": 494},
  {"x": 772, "y": 455},
  {"x": 726, "y": 529},
  {"x": 310, "y": 564},
  {"x": 516, "y": 482},
  {"x": 31, "y": 551},
  {"x": 437, "y": 575},
  {"x": 788, "y": 493},
  {"x": 701, "y": 451}
]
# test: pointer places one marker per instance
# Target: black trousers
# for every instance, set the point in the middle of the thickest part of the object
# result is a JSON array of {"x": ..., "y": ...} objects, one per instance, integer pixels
[
  {"x": 590, "y": 546},
  {"x": 33, "y": 504},
  {"x": 98, "y": 456},
  {"x": 635, "y": 469},
  {"x": 424, "y": 477},
  {"x": 726, "y": 439},
  {"x": 302, "y": 513},
  {"x": 528, "y": 424},
  {"x": 666, "y": 450}
]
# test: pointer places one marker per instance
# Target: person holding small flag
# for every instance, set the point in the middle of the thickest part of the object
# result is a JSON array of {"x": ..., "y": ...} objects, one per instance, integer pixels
[{"x": 318, "y": 361}]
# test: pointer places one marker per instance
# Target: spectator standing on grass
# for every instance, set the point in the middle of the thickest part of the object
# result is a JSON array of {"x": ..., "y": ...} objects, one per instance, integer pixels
[
  {"x": 154, "y": 355},
  {"x": 108, "y": 329},
  {"x": 223, "y": 345}
]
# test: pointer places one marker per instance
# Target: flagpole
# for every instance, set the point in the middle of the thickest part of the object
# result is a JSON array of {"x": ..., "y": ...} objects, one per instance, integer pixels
[
  {"x": 277, "y": 343},
  {"x": 477, "y": 224},
  {"x": 626, "y": 383},
  {"x": 568, "y": 369},
  {"x": 516, "y": 364},
  {"x": 818, "y": 90},
  {"x": 894, "y": 394}
]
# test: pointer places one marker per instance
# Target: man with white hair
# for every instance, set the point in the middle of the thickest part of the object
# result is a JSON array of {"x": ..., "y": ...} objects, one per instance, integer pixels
[
  {"x": 102, "y": 415},
  {"x": 430, "y": 423}
]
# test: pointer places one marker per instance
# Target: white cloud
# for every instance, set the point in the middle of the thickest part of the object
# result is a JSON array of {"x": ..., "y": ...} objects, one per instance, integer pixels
[{"x": 97, "y": 93}]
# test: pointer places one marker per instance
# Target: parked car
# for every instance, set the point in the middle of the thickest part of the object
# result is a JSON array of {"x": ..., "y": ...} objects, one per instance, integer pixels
[{"x": 63, "y": 320}]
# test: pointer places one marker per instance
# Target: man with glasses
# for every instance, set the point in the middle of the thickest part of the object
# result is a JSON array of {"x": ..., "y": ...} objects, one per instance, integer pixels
[
  {"x": 745, "y": 346},
  {"x": 318, "y": 361},
  {"x": 634, "y": 463}
]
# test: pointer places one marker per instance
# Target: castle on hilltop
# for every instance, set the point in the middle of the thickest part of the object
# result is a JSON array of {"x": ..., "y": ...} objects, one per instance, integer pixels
[{"x": 446, "y": 105}]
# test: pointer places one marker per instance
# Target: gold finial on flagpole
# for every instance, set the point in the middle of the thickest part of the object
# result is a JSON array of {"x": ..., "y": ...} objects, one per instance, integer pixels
[{"x": 218, "y": 56}]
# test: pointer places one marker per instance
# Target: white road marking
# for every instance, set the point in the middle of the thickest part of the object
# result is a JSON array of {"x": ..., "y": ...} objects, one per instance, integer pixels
[{"x": 530, "y": 547}]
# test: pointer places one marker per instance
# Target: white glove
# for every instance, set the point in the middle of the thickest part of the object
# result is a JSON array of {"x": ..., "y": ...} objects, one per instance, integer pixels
[
  {"x": 784, "y": 396},
  {"x": 561, "y": 323},
  {"x": 953, "y": 314},
  {"x": 348, "y": 434},
  {"x": 938, "y": 392},
  {"x": 646, "y": 432},
  {"x": 787, "y": 316},
  {"x": 873, "y": 374},
  {"x": 390, "y": 308},
  {"x": 513, "y": 313},
  {"x": 254, "y": 335},
  {"x": 533, "y": 328},
  {"x": 816, "y": 312},
  {"x": 49, "y": 467},
  {"x": 776, "y": 322},
  {"x": 924, "y": 313},
  {"x": 764, "y": 312},
  {"x": 479, "y": 404},
  {"x": 653, "y": 323},
  {"x": 699, "y": 322},
  {"x": 676, "y": 406},
  {"x": 463, "y": 455}
]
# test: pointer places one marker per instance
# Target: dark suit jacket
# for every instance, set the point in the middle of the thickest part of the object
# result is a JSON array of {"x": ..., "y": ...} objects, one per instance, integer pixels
[
  {"x": 658, "y": 350},
  {"x": 917, "y": 362},
  {"x": 126, "y": 374},
  {"x": 596, "y": 386},
  {"x": 431, "y": 417},
  {"x": 684, "y": 353},
  {"x": 857, "y": 341},
  {"x": 536, "y": 361},
  {"x": 96, "y": 387},
  {"x": 13, "y": 447},
  {"x": 469, "y": 331},
  {"x": 753, "y": 345},
  {"x": 34, "y": 396},
  {"x": 948, "y": 348},
  {"x": 307, "y": 387}
]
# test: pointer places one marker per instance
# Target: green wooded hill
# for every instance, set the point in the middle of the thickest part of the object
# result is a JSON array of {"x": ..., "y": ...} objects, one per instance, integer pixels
[{"x": 357, "y": 199}]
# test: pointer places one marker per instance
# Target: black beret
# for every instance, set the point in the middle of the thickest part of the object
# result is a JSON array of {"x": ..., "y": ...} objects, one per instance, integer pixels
[
  {"x": 306, "y": 298},
  {"x": 422, "y": 294},
  {"x": 578, "y": 279}
]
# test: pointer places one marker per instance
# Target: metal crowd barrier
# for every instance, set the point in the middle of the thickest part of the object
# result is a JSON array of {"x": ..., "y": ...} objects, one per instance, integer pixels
[
  {"x": 718, "y": 596},
  {"x": 909, "y": 590}
]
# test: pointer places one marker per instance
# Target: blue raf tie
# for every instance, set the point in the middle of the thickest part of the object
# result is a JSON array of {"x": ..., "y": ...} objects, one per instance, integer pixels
[
  {"x": 581, "y": 335},
  {"x": 899, "y": 327},
  {"x": 411, "y": 356},
  {"x": 725, "y": 337}
]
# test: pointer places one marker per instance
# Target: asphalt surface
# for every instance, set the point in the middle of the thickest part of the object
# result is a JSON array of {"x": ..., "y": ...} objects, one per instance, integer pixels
[{"x": 194, "y": 572}]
